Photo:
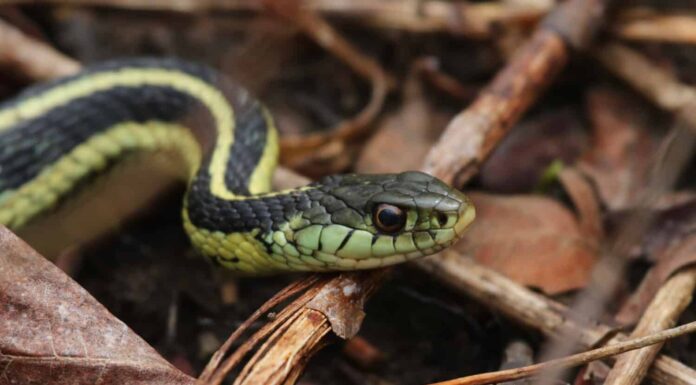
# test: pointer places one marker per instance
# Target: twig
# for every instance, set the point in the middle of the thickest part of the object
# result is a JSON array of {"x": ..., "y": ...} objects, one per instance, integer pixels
[
  {"x": 279, "y": 297},
  {"x": 537, "y": 311},
  {"x": 664, "y": 311},
  {"x": 574, "y": 360},
  {"x": 656, "y": 84},
  {"x": 429, "y": 69},
  {"x": 481, "y": 126},
  {"x": 466, "y": 19},
  {"x": 274, "y": 363},
  {"x": 298, "y": 331},
  {"x": 301, "y": 150},
  {"x": 32, "y": 58},
  {"x": 216, "y": 371},
  {"x": 650, "y": 26},
  {"x": 667, "y": 164},
  {"x": 470, "y": 20},
  {"x": 472, "y": 135}
]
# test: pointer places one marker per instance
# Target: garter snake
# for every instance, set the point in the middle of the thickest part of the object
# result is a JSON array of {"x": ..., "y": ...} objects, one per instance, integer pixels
[{"x": 56, "y": 137}]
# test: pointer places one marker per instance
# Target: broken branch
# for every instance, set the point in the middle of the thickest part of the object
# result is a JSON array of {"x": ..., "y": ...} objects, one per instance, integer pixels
[{"x": 574, "y": 360}]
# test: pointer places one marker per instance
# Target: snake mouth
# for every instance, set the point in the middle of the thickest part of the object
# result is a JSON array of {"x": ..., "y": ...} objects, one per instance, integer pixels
[
  {"x": 371, "y": 263},
  {"x": 466, "y": 214}
]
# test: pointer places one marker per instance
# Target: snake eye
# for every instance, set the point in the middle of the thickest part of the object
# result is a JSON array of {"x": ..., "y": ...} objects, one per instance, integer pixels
[{"x": 389, "y": 218}]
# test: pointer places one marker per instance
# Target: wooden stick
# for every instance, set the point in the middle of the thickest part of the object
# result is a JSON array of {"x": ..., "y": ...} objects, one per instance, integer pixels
[
  {"x": 655, "y": 83},
  {"x": 473, "y": 134},
  {"x": 473, "y": 20},
  {"x": 279, "y": 297},
  {"x": 297, "y": 151},
  {"x": 274, "y": 363},
  {"x": 664, "y": 311},
  {"x": 535, "y": 310},
  {"x": 574, "y": 360},
  {"x": 31, "y": 57},
  {"x": 649, "y": 26},
  {"x": 333, "y": 305}
]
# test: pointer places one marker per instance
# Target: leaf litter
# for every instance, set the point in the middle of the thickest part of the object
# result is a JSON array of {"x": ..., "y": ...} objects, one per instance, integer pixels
[{"x": 543, "y": 238}]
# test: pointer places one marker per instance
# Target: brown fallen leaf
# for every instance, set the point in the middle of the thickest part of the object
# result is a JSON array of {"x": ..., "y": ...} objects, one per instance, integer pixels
[
  {"x": 617, "y": 160},
  {"x": 671, "y": 243},
  {"x": 363, "y": 353},
  {"x": 593, "y": 373},
  {"x": 531, "y": 239},
  {"x": 297, "y": 151},
  {"x": 586, "y": 202},
  {"x": 404, "y": 137},
  {"x": 671, "y": 226},
  {"x": 518, "y": 163},
  {"x": 679, "y": 256},
  {"x": 53, "y": 332}
]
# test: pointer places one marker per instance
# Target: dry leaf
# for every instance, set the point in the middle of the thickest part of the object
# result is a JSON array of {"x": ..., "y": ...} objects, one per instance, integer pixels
[
  {"x": 531, "y": 239},
  {"x": 593, "y": 373},
  {"x": 617, "y": 161},
  {"x": 671, "y": 243},
  {"x": 53, "y": 332},
  {"x": 586, "y": 203},
  {"x": 677, "y": 257},
  {"x": 363, "y": 353},
  {"x": 404, "y": 137},
  {"x": 522, "y": 157}
]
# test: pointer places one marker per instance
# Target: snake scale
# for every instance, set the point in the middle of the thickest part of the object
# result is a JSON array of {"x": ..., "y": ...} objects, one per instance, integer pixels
[{"x": 56, "y": 137}]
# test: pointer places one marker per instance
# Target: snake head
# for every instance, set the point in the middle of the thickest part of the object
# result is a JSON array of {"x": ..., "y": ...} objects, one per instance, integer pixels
[{"x": 367, "y": 221}]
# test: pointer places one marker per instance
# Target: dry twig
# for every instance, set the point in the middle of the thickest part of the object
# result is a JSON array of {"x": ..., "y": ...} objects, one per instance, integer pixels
[
  {"x": 32, "y": 58},
  {"x": 297, "y": 332},
  {"x": 664, "y": 311},
  {"x": 656, "y": 84},
  {"x": 467, "y": 19},
  {"x": 537, "y": 311},
  {"x": 475, "y": 20},
  {"x": 303, "y": 150},
  {"x": 574, "y": 360},
  {"x": 281, "y": 296},
  {"x": 481, "y": 126},
  {"x": 649, "y": 26}
]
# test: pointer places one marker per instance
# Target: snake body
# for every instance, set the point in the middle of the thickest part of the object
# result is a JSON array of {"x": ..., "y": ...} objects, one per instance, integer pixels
[{"x": 56, "y": 137}]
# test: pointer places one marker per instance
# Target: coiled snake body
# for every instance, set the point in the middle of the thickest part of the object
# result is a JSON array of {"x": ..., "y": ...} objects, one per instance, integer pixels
[{"x": 56, "y": 137}]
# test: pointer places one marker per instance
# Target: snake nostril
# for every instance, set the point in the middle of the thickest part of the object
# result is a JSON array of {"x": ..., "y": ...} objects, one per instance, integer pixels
[{"x": 441, "y": 219}]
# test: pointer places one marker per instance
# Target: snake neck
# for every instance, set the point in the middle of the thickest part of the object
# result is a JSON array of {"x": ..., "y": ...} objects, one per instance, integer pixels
[{"x": 58, "y": 136}]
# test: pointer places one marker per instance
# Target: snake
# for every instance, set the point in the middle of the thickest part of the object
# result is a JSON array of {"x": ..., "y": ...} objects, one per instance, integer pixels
[{"x": 57, "y": 137}]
